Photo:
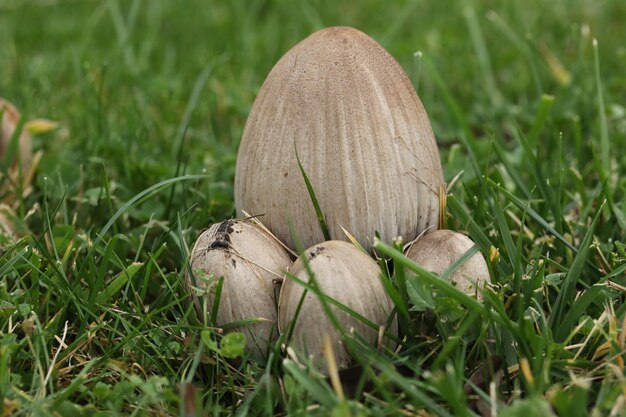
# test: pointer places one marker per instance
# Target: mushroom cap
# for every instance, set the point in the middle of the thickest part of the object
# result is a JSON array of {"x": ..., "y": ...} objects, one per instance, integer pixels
[
  {"x": 346, "y": 274},
  {"x": 251, "y": 262},
  {"x": 437, "y": 251},
  {"x": 362, "y": 136},
  {"x": 8, "y": 124}
]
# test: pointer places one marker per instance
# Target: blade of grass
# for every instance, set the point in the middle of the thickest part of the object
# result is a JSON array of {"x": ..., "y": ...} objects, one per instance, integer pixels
[
  {"x": 557, "y": 186},
  {"x": 605, "y": 166},
  {"x": 482, "y": 53},
  {"x": 395, "y": 296},
  {"x": 74, "y": 385},
  {"x": 318, "y": 211},
  {"x": 580, "y": 305},
  {"x": 512, "y": 171},
  {"x": 605, "y": 148},
  {"x": 543, "y": 111},
  {"x": 452, "y": 342},
  {"x": 402, "y": 292},
  {"x": 410, "y": 388},
  {"x": 137, "y": 198},
  {"x": 216, "y": 301},
  {"x": 533, "y": 214},
  {"x": 192, "y": 103},
  {"x": 546, "y": 189},
  {"x": 560, "y": 328},
  {"x": 520, "y": 44},
  {"x": 457, "y": 264},
  {"x": 475, "y": 231},
  {"x": 467, "y": 137},
  {"x": 505, "y": 234},
  {"x": 97, "y": 275},
  {"x": 118, "y": 282},
  {"x": 320, "y": 391}
]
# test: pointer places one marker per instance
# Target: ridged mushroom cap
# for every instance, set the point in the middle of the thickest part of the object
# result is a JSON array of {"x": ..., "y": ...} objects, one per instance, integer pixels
[
  {"x": 346, "y": 274},
  {"x": 362, "y": 135},
  {"x": 251, "y": 262}
]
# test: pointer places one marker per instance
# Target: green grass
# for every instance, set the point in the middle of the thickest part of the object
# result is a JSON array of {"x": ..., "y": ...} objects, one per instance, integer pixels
[{"x": 151, "y": 98}]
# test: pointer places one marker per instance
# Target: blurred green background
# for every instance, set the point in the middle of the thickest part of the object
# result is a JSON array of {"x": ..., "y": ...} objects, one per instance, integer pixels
[{"x": 120, "y": 75}]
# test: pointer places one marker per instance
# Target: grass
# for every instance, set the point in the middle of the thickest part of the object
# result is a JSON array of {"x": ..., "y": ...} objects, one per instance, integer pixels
[{"x": 526, "y": 100}]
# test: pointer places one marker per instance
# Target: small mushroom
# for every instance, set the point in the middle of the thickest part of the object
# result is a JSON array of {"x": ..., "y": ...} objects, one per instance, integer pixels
[
  {"x": 251, "y": 263},
  {"x": 8, "y": 124},
  {"x": 347, "y": 275},
  {"x": 439, "y": 250},
  {"x": 362, "y": 136}
]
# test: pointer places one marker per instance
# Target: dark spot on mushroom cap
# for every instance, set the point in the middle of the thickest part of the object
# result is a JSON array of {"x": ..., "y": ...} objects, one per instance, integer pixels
[
  {"x": 225, "y": 228},
  {"x": 222, "y": 235},
  {"x": 220, "y": 244},
  {"x": 316, "y": 252}
]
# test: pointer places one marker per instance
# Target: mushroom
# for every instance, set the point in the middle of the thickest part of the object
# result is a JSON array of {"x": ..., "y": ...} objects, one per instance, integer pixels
[
  {"x": 8, "y": 124},
  {"x": 345, "y": 274},
  {"x": 438, "y": 251},
  {"x": 362, "y": 136},
  {"x": 251, "y": 263}
]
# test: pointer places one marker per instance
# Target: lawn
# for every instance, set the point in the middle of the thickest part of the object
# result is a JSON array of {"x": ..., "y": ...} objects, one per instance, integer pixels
[{"x": 527, "y": 100}]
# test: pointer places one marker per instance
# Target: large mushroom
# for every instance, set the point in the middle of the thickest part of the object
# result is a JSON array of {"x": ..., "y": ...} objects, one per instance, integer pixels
[{"x": 362, "y": 136}]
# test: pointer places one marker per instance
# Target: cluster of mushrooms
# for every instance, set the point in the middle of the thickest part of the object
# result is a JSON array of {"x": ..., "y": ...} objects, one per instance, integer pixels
[{"x": 336, "y": 115}]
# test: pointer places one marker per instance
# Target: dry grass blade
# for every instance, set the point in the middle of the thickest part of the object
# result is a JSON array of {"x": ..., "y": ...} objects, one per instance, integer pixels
[{"x": 333, "y": 371}]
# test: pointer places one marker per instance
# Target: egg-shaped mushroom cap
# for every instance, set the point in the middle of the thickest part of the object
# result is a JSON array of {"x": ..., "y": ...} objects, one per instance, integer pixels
[
  {"x": 347, "y": 275},
  {"x": 438, "y": 251},
  {"x": 362, "y": 136},
  {"x": 251, "y": 264}
]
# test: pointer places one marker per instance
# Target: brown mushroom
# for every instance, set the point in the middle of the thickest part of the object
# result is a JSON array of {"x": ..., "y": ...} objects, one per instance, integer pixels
[
  {"x": 347, "y": 275},
  {"x": 251, "y": 263},
  {"x": 362, "y": 136},
  {"x": 438, "y": 251}
]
